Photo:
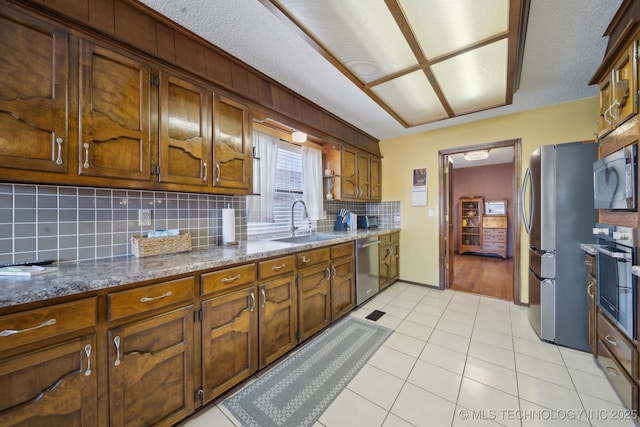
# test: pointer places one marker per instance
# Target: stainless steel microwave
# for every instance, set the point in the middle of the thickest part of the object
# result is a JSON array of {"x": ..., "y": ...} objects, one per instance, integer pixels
[{"x": 614, "y": 180}]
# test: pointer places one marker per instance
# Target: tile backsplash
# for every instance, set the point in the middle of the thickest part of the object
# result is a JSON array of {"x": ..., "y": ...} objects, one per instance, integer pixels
[{"x": 39, "y": 222}]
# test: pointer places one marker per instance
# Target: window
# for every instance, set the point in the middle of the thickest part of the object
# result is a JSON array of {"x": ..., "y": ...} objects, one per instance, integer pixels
[{"x": 288, "y": 189}]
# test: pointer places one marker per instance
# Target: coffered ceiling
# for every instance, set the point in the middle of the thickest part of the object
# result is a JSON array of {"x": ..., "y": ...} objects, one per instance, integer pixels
[
  {"x": 398, "y": 67},
  {"x": 420, "y": 60}
]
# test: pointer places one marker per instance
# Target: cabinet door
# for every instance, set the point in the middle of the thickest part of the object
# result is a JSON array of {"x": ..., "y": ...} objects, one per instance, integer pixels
[
  {"x": 314, "y": 300},
  {"x": 376, "y": 178},
  {"x": 229, "y": 341},
  {"x": 185, "y": 131},
  {"x": 343, "y": 287},
  {"x": 394, "y": 265},
  {"x": 115, "y": 136},
  {"x": 33, "y": 94},
  {"x": 624, "y": 87},
  {"x": 364, "y": 176},
  {"x": 605, "y": 120},
  {"x": 278, "y": 318},
  {"x": 232, "y": 145},
  {"x": 151, "y": 370},
  {"x": 56, "y": 386},
  {"x": 385, "y": 266},
  {"x": 349, "y": 173}
]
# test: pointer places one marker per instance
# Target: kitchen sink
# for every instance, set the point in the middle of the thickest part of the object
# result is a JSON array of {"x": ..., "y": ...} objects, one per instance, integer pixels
[{"x": 309, "y": 238}]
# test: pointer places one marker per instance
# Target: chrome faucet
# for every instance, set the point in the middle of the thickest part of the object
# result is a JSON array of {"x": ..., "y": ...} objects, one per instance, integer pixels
[{"x": 306, "y": 215}]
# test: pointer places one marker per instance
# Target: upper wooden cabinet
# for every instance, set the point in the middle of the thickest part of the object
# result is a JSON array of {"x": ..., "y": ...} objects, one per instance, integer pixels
[
  {"x": 617, "y": 91},
  {"x": 376, "y": 179},
  {"x": 352, "y": 174},
  {"x": 115, "y": 107},
  {"x": 33, "y": 95},
  {"x": 232, "y": 145},
  {"x": 185, "y": 132}
]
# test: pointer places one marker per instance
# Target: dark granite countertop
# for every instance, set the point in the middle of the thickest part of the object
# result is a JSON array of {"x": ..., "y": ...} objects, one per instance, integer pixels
[{"x": 85, "y": 276}]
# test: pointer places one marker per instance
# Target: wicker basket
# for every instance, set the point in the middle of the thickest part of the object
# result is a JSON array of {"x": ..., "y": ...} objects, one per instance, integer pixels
[{"x": 144, "y": 246}]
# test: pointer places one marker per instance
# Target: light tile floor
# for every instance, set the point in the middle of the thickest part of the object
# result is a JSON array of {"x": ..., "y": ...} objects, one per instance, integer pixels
[{"x": 458, "y": 359}]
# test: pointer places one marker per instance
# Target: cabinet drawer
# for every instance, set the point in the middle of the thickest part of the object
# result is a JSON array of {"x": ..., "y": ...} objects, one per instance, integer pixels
[
  {"x": 276, "y": 267},
  {"x": 385, "y": 239},
  {"x": 395, "y": 237},
  {"x": 33, "y": 325},
  {"x": 616, "y": 374},
  {"x": 344, "y": 249},
  {"x": 617, "y": 344},
  {"x": 493, "y": 245},
  {"x": 150, "y": 297},
  {"x": 497, "y": 239},
  {"x": 308, "y": 258},
  {"x": 228, "y": 278},
  {"x": 497, "y": 232},
  {"x": 494, "y": 222}
]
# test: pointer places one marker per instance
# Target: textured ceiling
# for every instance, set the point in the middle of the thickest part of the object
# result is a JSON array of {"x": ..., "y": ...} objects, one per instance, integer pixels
[{"x": 564, "y": 46}]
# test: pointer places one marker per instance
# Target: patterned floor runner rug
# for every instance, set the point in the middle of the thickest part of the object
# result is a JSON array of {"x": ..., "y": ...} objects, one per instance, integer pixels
[{"x": 298, "y": 390}]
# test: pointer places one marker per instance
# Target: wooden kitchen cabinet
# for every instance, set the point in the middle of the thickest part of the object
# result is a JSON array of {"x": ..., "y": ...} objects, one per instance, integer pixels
[
  {"x": 356, "y": 175},
  {"x": 376, "y": 179},
  {"x": 115, "y": 115},
  {"x": 494, "y": 235},
  {"x": 151, "y": 370},
  {"x": 233, "y": 147},
  {"x": 229, "y": 341},
  {"x": 278, "y": 313},
  {"x": 314, "y": 295},
  {"x": 185, "y": 132},
  {"x": 34, "y": 99},
  {"x": 48, "y": 366},
  {"x": 56, "y": 385},
  {"x": 592, "y": 337},
  {"x": 343, "y": 284},
  {"x": 389, "y": 254}
]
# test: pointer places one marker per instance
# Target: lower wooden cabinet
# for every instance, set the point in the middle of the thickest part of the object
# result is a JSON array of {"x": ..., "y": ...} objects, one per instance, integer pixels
[
  {"x": 151, "y": 370},
  {"x": 54, "y": 386},
  {"x": 278, "y": 318},
  {"x": 314, "y": 299},
  {"x": 229, "y": 341},
  {"x": 389, "y": 259},
  {"x": 343, "y": 286}
]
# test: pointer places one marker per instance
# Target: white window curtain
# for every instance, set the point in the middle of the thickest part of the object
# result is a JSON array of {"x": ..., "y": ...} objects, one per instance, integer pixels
[
  {"x": 312, "y": 182},
  {"x": 260, "y": 206}
]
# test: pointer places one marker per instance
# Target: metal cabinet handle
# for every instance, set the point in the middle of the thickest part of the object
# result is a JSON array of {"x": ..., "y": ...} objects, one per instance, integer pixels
[
  {"x": 86, "y": 155},
  {"x": 217, "y": 172},
  {"x": 615, "y": 104},
  {"x": 278, "y": 267},
  {"x": 589, "y": 289},
  {"x": 328, "y": 273},
  {"x": 87, "y": 350},
  {"x": 264, "y": 297},
  {"x": 147, "y": 299},
  {"x": 610, "y": 340},
  {"x": 230, "y": 279},
  {"x": 604, "y": 116},
  {"x": 305, "y": 259},
  {"x": 612, "y": 371},
  {"x": 253, "y": 301},
  {"x": 59, "y": 141},
  {"x": 116, "y": 341},
  {"x": 8, "y": 332},
  {"x": 335, "y": 272},
  {"x": 204, "y": 170}
]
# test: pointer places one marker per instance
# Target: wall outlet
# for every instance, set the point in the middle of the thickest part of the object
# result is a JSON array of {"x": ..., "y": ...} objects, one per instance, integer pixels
[{"x": 144, "y": 217}]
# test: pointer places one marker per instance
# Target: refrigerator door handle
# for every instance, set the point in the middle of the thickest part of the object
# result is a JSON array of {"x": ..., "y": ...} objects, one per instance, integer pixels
[{"x": 527, "y": 219}]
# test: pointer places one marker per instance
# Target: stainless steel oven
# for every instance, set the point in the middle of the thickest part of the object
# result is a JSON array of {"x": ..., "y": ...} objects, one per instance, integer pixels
[{"x": 616, "y": 292}]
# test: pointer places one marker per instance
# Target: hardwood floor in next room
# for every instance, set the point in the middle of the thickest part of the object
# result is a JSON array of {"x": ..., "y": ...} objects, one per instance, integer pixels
[{"x": 483, "y": 275}]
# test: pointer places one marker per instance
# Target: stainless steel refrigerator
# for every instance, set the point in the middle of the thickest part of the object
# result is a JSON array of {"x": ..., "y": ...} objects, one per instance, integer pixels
[{"x": 559, "y": 215}]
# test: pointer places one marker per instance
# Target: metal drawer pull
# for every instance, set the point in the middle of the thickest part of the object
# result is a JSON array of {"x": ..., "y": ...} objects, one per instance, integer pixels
[
  {"x": 610, "y": 340},
  {"x": 253, "y": 302},
  {"x": 8, "y": 332},
  {"x": 305, "y": 259},
  {"x": 278, "y": 267},
  {"x": 87, "y": 349},
  {"x": 589, "y": 289},
  {"x": 218, "y": 172},
  {"x": 230, "y": 279},
  {"x": 147, "y": 299},
  {"x": 86, "y": 155},
  {"x": 116, "y": 341},
  {"x": 264, "y": 297},
  {"x": 335, "y": 272},
  {"x": 204, "y": 175},
  {"x": 328, "y": 273},
  {"x": 612, "y": 371},
  {"x": 59, "y": 141}
]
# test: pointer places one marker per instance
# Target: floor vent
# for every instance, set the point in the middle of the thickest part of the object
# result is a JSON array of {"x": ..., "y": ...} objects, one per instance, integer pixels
[{"x": 375, "y": 315}]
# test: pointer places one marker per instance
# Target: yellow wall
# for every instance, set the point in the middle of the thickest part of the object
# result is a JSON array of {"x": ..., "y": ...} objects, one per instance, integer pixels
[{"x": 574, "y": 121}]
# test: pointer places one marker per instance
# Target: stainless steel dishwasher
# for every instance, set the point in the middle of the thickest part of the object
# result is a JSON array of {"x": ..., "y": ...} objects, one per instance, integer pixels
[{"x": 367, "y": 268}]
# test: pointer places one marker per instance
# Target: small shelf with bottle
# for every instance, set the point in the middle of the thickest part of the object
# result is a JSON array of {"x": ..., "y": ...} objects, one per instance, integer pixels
[
  {"x": 470, "y": 224},
  {"x": 331, "y": 158}
]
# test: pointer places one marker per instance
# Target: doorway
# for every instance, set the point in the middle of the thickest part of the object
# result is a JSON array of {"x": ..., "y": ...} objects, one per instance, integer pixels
[{"x": 480, "y": 267}]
